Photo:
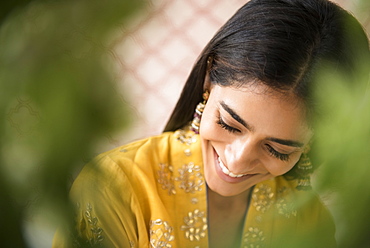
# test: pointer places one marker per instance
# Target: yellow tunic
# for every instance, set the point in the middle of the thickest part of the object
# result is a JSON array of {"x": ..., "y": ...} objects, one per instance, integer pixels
[{"x": 151, "y": 193}]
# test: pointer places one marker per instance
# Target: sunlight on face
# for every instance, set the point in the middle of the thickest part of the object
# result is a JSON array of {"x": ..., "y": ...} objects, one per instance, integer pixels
[{"x": 249, "y": 135}]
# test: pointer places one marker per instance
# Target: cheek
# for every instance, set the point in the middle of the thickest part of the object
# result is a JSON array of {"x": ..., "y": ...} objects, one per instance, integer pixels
[
  {"x": 210, "y": 130},
  {"x": 280, "y": 168},
  {"x": 208, "y": 126}
]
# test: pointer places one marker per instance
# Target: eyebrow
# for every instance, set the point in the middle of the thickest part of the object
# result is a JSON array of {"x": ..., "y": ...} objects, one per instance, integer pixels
[
  {"x": 236, "y": 117},
  {"x": 286, "y": 142}
]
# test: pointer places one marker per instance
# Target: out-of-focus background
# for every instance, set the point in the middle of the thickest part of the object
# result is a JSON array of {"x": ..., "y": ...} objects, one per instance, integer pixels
[
  {"x": 81, "y": 77},
  {"x": 155, "y": 53}
]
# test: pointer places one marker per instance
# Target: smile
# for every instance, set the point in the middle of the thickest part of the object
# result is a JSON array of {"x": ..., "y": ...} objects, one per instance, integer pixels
[{"x": 226, "y": 170}]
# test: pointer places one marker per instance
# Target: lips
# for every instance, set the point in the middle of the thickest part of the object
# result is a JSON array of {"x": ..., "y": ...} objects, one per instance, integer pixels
[
  {"x": 227, "y": 176},
  {"x": 226, "y": 170}
]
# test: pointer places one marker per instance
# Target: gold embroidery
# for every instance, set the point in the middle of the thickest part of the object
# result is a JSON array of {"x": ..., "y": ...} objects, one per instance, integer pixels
[
  {"x": 185, "y": 137},
  {"x": 160, "y": 234},
  {"x": 96, "y": 231},
  {"x": 190, "y": 178},
  {"x": 262, "y": 197},
  {"x": 165, "y": 178},
  {"x": 90, "y": 237},
  {"x": 254, "y": 238},
  {"x": 132, "y": 244},
  {"x": 187, "y": 152},
  {"x": 258, "y": 218},
  {"x": 285, "y": 207},
  {"x": 195, "y": 225}
]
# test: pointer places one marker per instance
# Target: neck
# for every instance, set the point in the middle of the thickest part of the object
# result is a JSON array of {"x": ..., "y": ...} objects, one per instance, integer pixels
[
  {"x": 238, "y": 202},
  {"x": 226, "y": 217}
]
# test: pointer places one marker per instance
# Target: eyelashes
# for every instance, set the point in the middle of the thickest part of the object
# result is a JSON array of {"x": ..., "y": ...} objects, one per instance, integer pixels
[
  {"x": 272, "y": 151},
  {"x": 276, "y": 154},
  {"x": 228, "y": 128}
]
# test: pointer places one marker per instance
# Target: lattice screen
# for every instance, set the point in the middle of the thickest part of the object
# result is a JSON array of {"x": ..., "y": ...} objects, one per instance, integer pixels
[
  {"x": 153, "y": 57},
  {"x": 155, "y": 54}
]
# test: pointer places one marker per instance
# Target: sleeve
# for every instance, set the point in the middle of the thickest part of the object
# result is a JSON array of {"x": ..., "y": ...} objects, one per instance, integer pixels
[{"x": 107, "y": 209}]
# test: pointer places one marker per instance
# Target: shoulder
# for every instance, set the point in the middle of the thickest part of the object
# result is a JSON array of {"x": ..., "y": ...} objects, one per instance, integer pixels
[
  {"x": 149, "y": 147},
  {"x": 146, "y": 154},
  {"x": 139, "y": 161},
  {"x": 111, "y": 190},
  {"x": 301, "y": 211},
  {"x": 116, "y": 164},
  {"x": 306, "y": 204}
]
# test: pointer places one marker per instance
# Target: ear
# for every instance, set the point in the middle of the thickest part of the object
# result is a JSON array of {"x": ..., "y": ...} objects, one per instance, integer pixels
[{"x": 207, "y": 85}]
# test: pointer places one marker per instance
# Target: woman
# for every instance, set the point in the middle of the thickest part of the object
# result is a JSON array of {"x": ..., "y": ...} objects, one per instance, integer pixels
[{"x": 235, "y": 173}]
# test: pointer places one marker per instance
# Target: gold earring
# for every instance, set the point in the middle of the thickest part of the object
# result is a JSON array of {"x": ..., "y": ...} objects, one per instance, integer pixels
[
  {"x": 304, "y": 169},
  {"x": 195, "y": 124}
]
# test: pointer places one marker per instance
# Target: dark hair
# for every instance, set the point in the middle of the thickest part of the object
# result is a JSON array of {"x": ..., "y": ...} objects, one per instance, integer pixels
[
  {"x": 280, "y": 43},
  {"x": 283, "y": 44}
]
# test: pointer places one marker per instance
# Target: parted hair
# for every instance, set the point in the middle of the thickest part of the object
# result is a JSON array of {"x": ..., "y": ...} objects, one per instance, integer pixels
[
  {"x": 283, "y": 44},
  {"x": 280, "y": 43}
]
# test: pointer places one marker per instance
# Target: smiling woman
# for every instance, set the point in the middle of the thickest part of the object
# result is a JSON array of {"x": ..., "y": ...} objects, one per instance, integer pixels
[
  {"x": 236, "y": 172},
  {"x": 249, "y": 136}
]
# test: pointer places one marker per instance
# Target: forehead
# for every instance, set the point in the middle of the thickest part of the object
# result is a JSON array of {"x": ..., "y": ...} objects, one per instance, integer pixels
[{"x": 268, "y": 111}]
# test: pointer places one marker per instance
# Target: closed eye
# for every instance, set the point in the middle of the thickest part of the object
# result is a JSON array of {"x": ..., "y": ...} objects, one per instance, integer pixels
[
  {"x": 225, "y": 126},
  {"x": 276, "y": 154}
]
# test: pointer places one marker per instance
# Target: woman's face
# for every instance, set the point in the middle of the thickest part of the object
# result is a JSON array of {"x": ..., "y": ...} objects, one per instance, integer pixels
[{"x": 249, "y": 135}]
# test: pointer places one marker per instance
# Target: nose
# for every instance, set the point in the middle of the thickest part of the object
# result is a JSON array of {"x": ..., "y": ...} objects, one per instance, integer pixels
[{"x": 242, "y": 156}]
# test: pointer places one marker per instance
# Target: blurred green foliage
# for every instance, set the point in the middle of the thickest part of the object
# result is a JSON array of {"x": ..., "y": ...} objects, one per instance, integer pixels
[
  {"x": 57, "y": 100},
  {"x": 342, "y": 142}
]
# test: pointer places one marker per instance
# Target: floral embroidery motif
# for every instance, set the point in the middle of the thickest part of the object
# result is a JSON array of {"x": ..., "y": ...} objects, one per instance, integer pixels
[
  {"x": 186, "y": 137},
  {"x": 165, "y": 178},
  {"x": 285, "y": 207},
  {"x": 190, "y": 178},
  {"x": 94, "y": 238},
  {"x": 160, "y": 234},
  {"x": 262, "y": 198},
  {"x": 254, "y": 238},
  {"x": 96, "y": 231},
  {"x": 195, "y": 225}
]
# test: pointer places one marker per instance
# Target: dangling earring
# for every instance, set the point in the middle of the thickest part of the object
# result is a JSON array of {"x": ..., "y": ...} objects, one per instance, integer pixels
[
  {"x": 304, "y": 169},
  {"x": 198, "y": 113}
]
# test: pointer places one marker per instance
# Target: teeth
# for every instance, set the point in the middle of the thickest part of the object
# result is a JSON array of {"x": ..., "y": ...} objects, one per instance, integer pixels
[{"x": 226, "y": 171}]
